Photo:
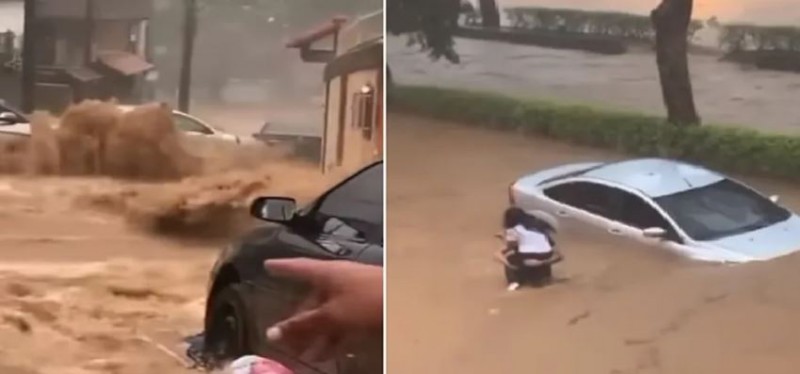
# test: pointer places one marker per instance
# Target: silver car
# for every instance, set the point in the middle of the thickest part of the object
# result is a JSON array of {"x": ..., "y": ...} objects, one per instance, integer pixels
[{"x": 680, "y": 207}]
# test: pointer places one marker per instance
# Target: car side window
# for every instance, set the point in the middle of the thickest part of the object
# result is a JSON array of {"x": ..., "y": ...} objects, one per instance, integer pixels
[
  {"x": 187, "y": 124},
  {"x": 637, "y": 213},
  {"x": 355, "y": 205},
  {"x": 567, "y": 193},
  {"x": 591, "y": 197}
]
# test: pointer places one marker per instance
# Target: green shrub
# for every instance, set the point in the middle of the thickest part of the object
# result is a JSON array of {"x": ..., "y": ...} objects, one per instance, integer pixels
[
  {"x": 616, "y": 24},
  {"x": 728, "y": 148},
  {"x": 740, "y": 37}
]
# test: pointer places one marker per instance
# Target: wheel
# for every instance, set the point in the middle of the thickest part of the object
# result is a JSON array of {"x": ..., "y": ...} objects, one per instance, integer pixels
[{"x": 228, "y": 326}]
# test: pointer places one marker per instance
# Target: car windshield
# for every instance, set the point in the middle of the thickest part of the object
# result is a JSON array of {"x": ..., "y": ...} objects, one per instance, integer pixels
[
  {"x": 721, "y": 209},
  {"x": 359, "y": 204}
]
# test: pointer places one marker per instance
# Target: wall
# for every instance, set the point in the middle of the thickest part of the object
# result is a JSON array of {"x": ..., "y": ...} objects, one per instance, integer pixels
[
  {"x": 358, "y": 151},
  {"x": 332, "y": 125}
]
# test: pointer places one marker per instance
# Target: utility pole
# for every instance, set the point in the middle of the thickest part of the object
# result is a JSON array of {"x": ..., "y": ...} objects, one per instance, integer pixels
[
  {"x": 29, "y": 58},
  {"x": 89, "y": 37},
  {"x": 189, "y": 33}
]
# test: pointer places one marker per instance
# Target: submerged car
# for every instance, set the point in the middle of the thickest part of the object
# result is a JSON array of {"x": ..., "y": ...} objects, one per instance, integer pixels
[
  {"x": 680, "y": 207},
  {"x": 345, "y": 223}
]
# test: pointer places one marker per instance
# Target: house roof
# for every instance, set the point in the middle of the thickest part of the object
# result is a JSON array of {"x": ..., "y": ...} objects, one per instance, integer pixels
[
  {"x": 125, "y": 63},
  {"x": 316, "y": 34}
]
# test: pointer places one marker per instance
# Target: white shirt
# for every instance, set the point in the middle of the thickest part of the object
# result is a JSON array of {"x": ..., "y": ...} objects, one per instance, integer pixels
[{"x": 528, "y": 241}]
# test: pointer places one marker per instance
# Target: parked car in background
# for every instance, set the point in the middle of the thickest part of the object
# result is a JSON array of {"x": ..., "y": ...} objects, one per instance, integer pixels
[
  {"x": 345, "y": 223},
  {"x": 680, "y": 207},
  {"x": 14, "y": 124},
  {"x": 194, "y": 126},
  {"x": 305, "y": 141}
]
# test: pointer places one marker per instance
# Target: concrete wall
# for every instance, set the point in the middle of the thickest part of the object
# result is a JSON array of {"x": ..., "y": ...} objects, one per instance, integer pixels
[
  {"x": 330, "y": 160},
  {"x": 359, "y": 151}
]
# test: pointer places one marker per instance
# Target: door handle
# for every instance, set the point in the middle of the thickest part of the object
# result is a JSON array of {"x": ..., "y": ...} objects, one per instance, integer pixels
[
  {"x": 615, "y": 231},
  {"x": 562, "y": 213}
]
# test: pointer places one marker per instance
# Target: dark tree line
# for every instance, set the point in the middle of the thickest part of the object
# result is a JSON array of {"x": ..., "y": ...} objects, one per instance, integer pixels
[{"x": 431, "y": 23}]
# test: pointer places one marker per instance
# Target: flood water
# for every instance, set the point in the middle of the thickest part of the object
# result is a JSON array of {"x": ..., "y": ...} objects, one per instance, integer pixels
[{"x": 725, "y": 92}]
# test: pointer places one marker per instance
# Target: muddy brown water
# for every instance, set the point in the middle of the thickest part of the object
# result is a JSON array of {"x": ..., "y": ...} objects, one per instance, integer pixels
[
  {"x": 620, "y": 308},
  {"x": 105, "y": 271}
]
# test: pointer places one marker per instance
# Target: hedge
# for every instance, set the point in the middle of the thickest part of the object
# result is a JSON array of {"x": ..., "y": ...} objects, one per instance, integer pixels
[
  {"x": 547, "y": 39},
  {"x": 617, "y": 24},
  {"x": 727, "y": 148},
  {"x": 740, "y": 37}
]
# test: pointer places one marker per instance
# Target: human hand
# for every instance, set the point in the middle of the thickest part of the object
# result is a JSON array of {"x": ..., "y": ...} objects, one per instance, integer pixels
[{"x": 346, "y": 302}]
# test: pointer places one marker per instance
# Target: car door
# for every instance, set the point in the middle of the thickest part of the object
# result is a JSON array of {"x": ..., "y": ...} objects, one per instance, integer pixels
[
  {"x": 636, "y": 215},
  {"x": 586, "y": 207},
  {"x": 346, "y": 223}
]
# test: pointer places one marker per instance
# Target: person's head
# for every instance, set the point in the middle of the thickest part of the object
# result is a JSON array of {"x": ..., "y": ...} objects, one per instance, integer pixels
[{"x": 512, "y": 217}]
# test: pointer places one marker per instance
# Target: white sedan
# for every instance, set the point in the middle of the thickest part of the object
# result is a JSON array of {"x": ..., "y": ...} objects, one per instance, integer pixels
[
  {"x": 683, "y": 208},
  {"x": 13, "y": 124}
]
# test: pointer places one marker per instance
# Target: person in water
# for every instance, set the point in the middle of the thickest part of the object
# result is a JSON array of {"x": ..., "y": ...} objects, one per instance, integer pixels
[{"x": 530, "y": 250}]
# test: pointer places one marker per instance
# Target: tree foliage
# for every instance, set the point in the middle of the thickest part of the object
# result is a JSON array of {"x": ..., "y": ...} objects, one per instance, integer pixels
[{"x": 428, "y": 23}]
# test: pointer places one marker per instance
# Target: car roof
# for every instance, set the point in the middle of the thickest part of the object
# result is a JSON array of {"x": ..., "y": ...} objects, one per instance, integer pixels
[{"x": 655, "y": 177}]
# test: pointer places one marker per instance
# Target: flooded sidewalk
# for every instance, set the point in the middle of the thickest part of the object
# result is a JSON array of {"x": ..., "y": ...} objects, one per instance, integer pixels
[{"x": 725, "y": 93}]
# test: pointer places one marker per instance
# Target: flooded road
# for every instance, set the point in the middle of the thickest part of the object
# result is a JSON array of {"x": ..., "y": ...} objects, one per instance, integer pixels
[
  {"x": 105, "y": 275},
  {"x": 725, "y": 93},
  {"x": 619, "y": 308}
]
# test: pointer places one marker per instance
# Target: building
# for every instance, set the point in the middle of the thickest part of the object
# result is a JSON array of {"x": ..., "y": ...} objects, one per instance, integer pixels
[
  {"x": 90, "y": 49},
  {"x": 353, "y": 77}
]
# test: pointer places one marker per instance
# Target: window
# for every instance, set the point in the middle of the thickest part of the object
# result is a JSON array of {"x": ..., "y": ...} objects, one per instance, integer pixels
[
  {"x": 358, "y": 203},
  {"x": 591, "y": 197},
  {"x": 363, "y": 111},
  {"x": 637, "y": 213},
  {"x": 721, "y": 209},
  {"x": 186, "y": 124}
]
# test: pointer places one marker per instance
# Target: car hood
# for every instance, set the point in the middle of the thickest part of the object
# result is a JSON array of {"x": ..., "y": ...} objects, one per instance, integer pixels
[{"x": 764, "y": 244}]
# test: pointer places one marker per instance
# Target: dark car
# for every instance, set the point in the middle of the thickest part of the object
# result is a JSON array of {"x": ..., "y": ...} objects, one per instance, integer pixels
[
  {"x": 305, "y": 141},
  {"x": 345, "y": 223}
]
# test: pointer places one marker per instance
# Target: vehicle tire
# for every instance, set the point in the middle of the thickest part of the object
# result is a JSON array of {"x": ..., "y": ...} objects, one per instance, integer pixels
[{"x": 229, "y": 325}]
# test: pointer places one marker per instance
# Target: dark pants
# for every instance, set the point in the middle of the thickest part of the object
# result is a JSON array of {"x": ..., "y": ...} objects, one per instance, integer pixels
[{"x": 529, "y": 275}]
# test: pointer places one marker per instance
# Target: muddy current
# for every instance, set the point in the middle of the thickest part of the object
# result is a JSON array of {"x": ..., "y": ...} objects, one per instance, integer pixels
[
  {"x": 112, "y": 221},
  {"x": 616, "y": 307}
]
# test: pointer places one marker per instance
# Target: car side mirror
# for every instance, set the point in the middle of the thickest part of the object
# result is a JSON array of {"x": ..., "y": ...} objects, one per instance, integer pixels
[
  {"x": 774, "y": 198},
  {"x": 654, "y": 233},
  {"x": 274, "y": 209}
]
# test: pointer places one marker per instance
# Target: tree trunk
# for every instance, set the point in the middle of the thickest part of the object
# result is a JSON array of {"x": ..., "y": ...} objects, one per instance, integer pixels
[
  {"x": 490, "y": 14},
  {"x": 389, "y": 84},
  {"x": 671, "y": 21}
]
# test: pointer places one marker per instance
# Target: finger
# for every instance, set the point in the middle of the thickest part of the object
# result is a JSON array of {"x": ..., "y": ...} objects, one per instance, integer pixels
[
  {"x": 315, "y": 272},
  {"x": 299, "y": 331}
]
